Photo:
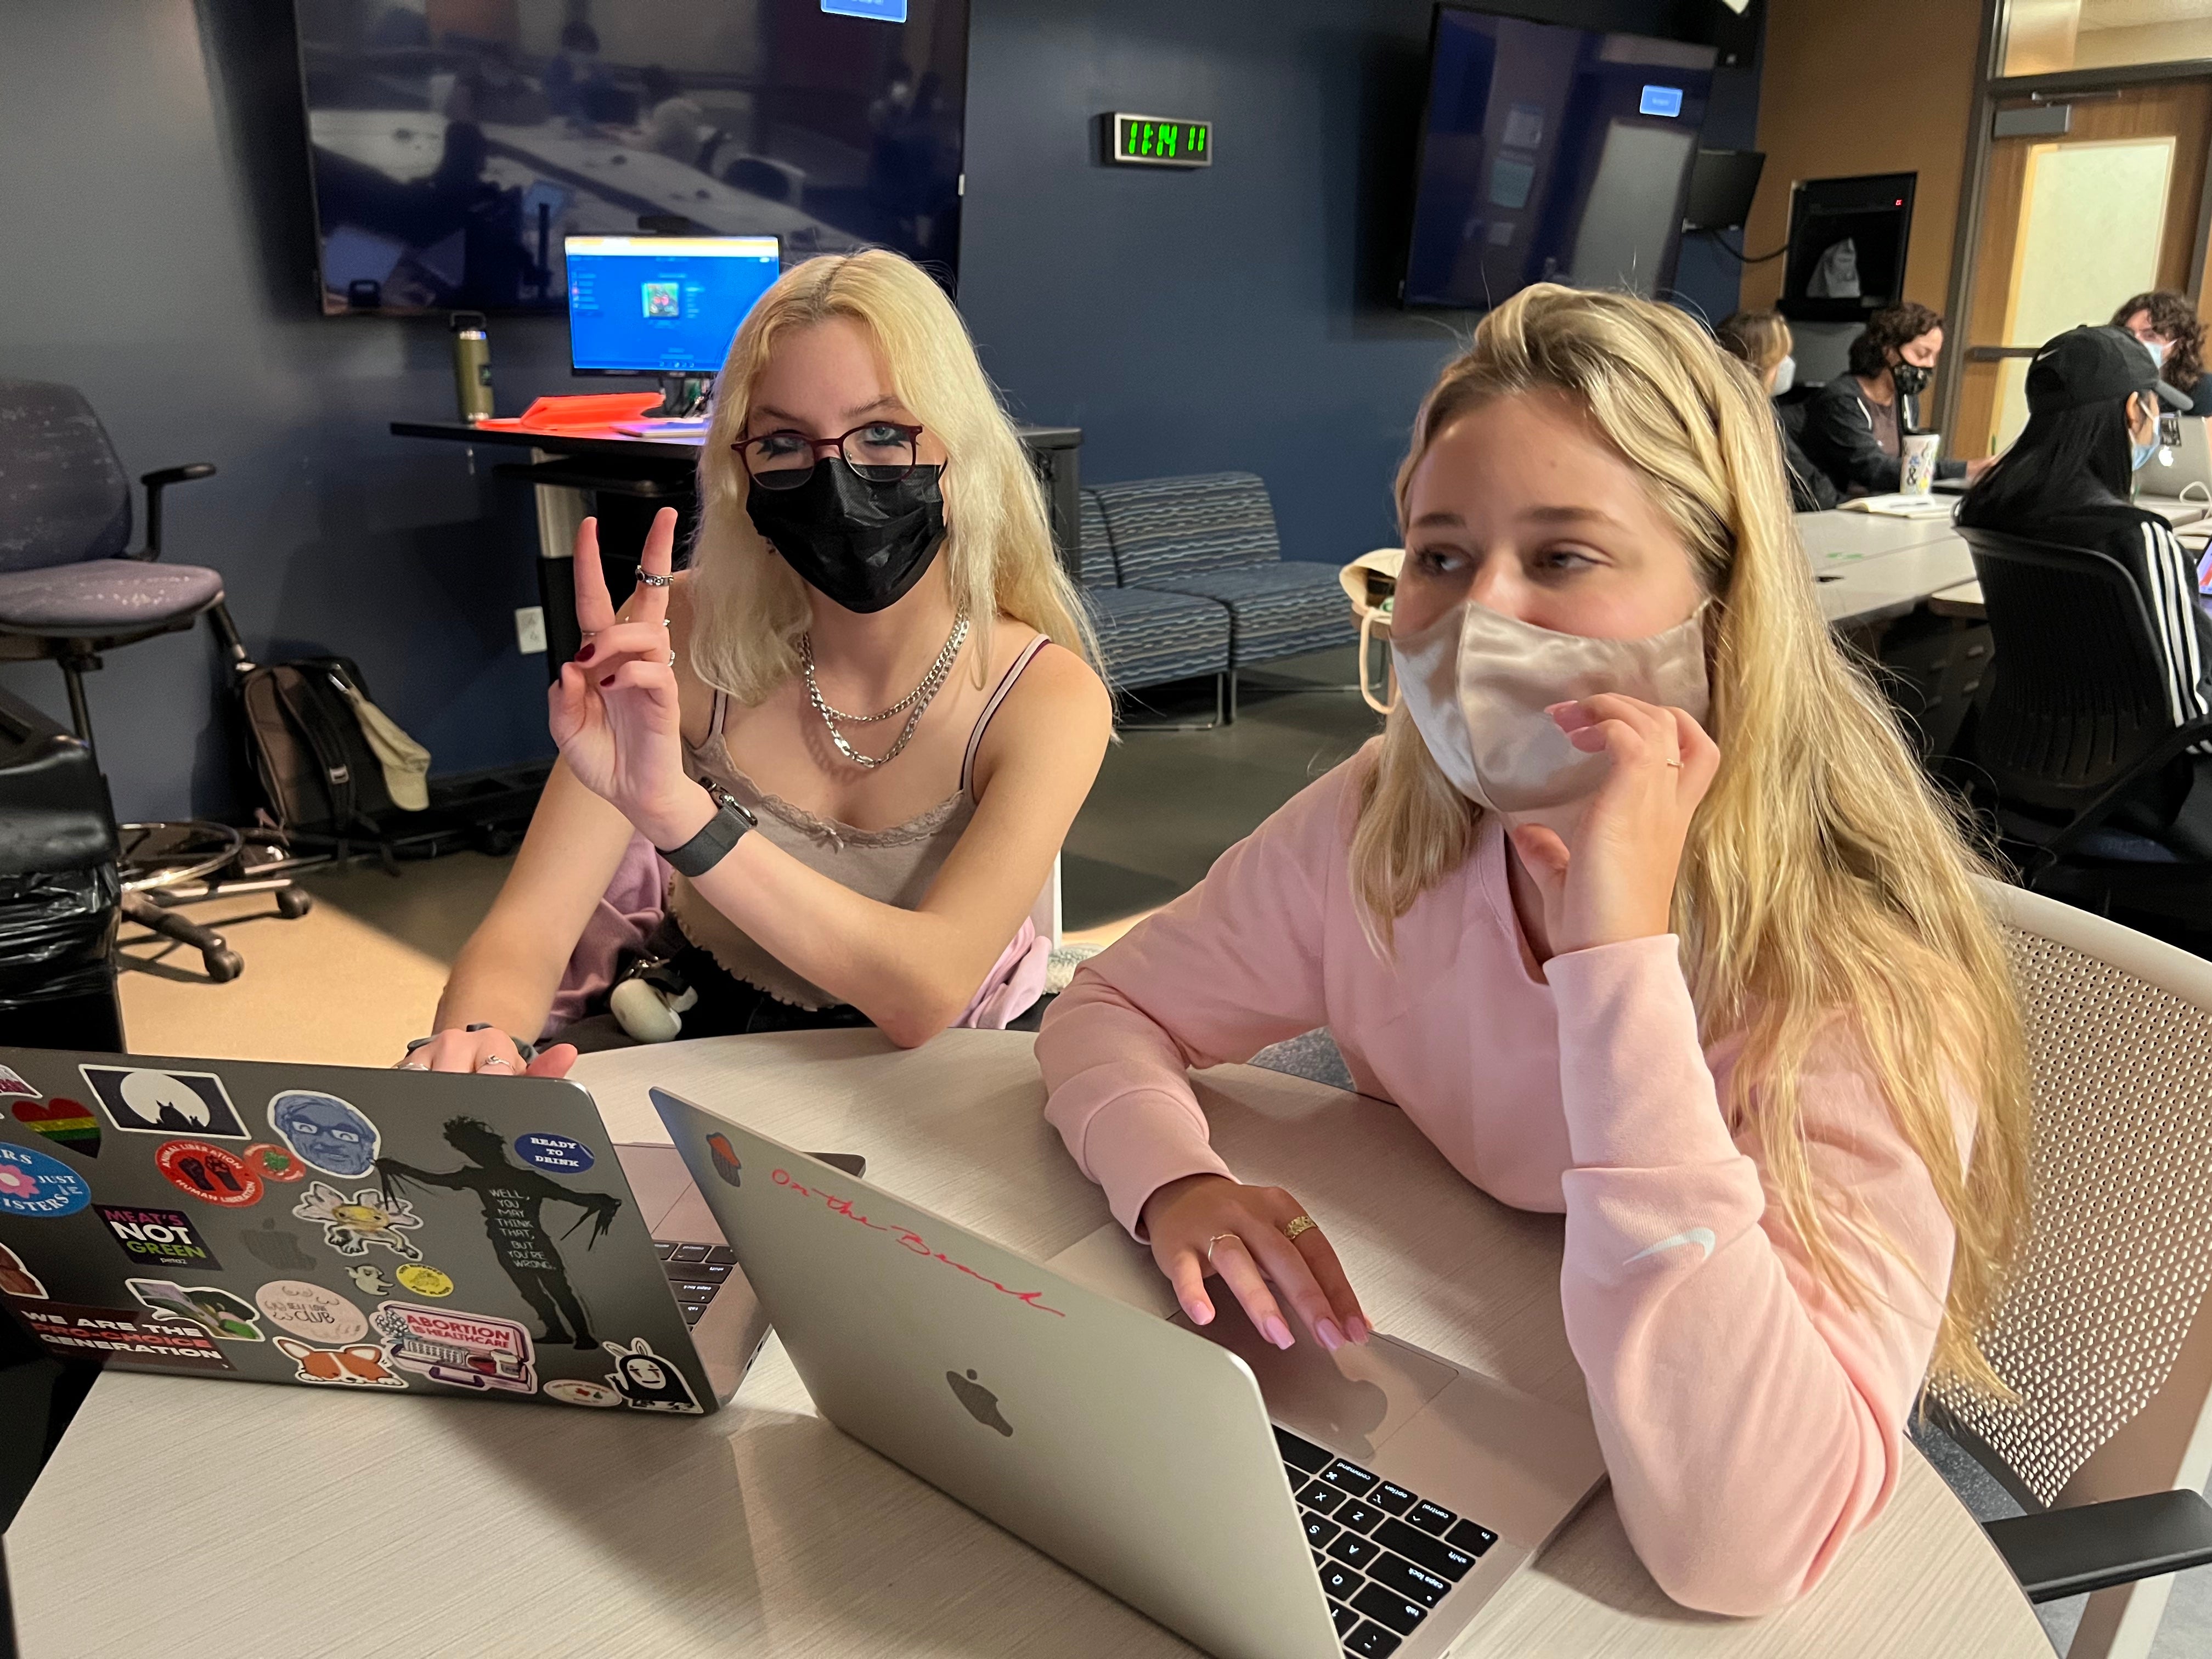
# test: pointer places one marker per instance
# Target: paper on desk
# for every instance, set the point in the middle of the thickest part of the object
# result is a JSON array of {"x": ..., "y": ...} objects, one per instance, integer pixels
[{"x": 1903, "y": 506}]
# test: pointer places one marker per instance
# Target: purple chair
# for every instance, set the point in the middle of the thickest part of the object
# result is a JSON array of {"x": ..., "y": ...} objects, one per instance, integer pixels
[{"x": 71, "y": 586}]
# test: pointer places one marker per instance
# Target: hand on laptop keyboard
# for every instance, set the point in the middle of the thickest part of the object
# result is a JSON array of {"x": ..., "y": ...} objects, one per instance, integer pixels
[{"x": 1251, "y": 1236}]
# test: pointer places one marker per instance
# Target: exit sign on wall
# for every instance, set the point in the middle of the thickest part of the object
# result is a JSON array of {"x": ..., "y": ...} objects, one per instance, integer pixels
[{"x": 1159, "y": 140}]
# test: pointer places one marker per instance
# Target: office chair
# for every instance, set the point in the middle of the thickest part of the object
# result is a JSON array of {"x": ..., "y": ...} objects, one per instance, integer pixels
[
  {"x": 2075, "y": 734},
  {"x": 2102, "y": 1328},
  {"x": 71, "y": 587}
]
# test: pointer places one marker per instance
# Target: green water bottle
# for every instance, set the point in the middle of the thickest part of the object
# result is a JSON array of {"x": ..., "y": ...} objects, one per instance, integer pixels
[{"x": 471, "y": 365}]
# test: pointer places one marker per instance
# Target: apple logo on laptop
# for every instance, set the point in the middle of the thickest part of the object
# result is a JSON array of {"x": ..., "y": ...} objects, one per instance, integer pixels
[
  {"x": 275, "y": 1248},
  {"x": 982, "y": 1404}
]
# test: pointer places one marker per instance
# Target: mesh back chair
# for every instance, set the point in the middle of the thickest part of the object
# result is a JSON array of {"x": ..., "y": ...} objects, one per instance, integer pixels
[
  {"x": 2102, "y": 1330},
  {"x": 2078, "y": 720},
  {"x": 71, "y": 586}
]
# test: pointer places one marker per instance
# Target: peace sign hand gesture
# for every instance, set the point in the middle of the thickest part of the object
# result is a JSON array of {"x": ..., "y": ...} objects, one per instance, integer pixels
[{"x": 614, "y": 710}]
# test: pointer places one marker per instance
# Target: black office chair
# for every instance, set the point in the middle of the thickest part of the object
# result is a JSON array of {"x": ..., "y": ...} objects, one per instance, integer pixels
[
  {"x": 71, "y": 587},
  {"x": 2075, "y": 748}
]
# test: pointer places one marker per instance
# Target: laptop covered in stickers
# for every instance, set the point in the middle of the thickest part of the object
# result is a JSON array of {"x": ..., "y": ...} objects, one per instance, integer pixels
[{"x": 345, "y": 1228}]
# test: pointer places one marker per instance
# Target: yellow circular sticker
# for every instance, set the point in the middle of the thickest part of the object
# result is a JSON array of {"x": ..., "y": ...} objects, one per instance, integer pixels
[{"x": 424, "y": 1280}]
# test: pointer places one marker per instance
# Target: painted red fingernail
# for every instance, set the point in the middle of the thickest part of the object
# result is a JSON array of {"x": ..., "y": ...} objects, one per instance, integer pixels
[
  {"x": 610, "y": 680},
  {"x": 585, "y": 655}
]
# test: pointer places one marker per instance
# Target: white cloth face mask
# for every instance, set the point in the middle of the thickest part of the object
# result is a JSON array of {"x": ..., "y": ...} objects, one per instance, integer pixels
[
  {"x": 1477, "y": 682},
  {"x": 1785, "y": 376}
]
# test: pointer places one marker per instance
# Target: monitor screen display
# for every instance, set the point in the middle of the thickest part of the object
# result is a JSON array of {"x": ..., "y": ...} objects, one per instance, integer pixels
[
  {"x": 1551, "y": 154},
  {"x": 457, "y": 144},
  {"x": 662, "y": 305}
]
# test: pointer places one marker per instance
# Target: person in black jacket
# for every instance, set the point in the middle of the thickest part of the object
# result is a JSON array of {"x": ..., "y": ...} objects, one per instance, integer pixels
[
  {"x": 1852, "y": 431},
  {"x": 1762, "y": 341},
  {"x": 2093, "y": 406}
]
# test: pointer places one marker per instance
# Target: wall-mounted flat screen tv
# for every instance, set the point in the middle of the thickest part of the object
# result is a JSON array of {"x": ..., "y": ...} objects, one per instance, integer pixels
[
  {"x": 456, "y": 143},
  {"x": 1551, "y": 154}
]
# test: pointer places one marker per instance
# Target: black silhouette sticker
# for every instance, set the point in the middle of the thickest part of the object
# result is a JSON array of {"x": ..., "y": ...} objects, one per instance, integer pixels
[{"x": 511, "y": 1199}]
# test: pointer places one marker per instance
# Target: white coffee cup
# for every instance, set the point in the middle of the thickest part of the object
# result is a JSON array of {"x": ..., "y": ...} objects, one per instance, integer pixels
[{"x": 1916, "y": 472}]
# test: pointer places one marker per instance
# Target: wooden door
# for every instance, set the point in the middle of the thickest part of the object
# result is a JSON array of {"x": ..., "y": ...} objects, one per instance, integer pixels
[{"x": 2073, "y": 224}]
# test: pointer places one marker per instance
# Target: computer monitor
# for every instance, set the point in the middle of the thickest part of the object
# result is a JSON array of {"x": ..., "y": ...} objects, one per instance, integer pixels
[{"x": 662, "y": 305}]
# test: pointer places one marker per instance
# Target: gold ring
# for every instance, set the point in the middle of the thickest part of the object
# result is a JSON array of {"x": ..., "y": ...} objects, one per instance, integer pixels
[
  {"x": 1296, "y": 1224},
  {"x": 1215, "y": 1240},
  {"x": 1676, "y": 764}
]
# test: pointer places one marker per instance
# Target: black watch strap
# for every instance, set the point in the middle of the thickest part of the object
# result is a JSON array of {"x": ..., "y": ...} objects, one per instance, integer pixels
[{"x": 712, "y": 844}]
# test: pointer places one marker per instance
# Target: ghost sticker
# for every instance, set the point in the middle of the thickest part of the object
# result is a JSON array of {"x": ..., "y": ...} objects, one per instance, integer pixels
[
  {"x": 351, "y": 1224},
  {"x": 370, "y": 1281},
  {"x": 16, "y": 1279},
  {"x": 328, "y": 1133},
  {"x": 646, "y": 1382},
  {"x": 356, "y": 1365},
  {"x": 725, "y": 1159},
  {"x": 215, "y": 1311},
  {"x": 145, "y": 1101},
  {"x": 511, "y": 1199}
]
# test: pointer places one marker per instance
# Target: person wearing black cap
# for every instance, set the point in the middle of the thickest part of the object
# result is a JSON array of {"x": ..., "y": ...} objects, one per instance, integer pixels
[{"x": 2093, "y": 408}]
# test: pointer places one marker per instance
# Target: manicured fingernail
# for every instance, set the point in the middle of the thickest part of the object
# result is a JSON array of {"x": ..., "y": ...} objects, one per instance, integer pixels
[
  {"x": 1555, "y": 707},
  {"x": 585, "y": 655},
  {"x": 1331, "y": 1337},
  {"x": 1201, "y": 1313},
  {"x": 610, "y": 680},
  {"x": 1358, "y": 1329},
  {"x": 1276, "y": 1332}
]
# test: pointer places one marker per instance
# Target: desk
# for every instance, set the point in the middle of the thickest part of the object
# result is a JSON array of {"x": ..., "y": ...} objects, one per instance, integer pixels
[
  {"x": 625, "y": 480},
  {"x": 194, "y": 1519},
  {"x": 1870, "y": 568}
]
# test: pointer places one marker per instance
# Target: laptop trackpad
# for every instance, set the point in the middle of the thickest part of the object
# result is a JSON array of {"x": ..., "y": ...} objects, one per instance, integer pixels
[{"x": 1351, "y": 1400}]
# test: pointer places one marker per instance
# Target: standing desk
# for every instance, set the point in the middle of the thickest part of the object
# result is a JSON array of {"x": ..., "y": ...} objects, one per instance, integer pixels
[
  {"x": 625, "y": 480},
  {"x": 196, "y": 1519}
]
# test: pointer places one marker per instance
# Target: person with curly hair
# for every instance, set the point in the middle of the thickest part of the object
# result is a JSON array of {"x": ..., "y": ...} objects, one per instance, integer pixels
[
  {"x": 2167, "y": 322},
  {"x": 1853, "y": 425}
]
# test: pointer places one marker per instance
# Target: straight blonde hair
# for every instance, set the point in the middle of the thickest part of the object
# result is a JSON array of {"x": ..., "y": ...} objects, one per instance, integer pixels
[
  {"x": 750, "y": 607},
  {"x": 1822, "y": 877}
]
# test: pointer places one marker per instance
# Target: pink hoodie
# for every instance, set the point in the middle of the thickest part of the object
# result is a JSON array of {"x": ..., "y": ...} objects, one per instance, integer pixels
[{"x": 1751, "y": 1419}]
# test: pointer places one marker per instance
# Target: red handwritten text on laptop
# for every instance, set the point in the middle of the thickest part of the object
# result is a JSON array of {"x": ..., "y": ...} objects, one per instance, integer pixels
[{"x": 912, "y": 1240}]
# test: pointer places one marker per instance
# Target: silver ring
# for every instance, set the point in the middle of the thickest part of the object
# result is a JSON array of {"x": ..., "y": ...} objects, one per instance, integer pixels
[
  {"x": 1676, "y": 764},
  {"x": 672, "y": 660},
  {"x": 651, "y": 580},
  {"x": 494, "y": 1059},
  {"x": 1215, "y": 1240},
  {"x": 410, "y": 1066},
  {"x": 588, "y": 633}
]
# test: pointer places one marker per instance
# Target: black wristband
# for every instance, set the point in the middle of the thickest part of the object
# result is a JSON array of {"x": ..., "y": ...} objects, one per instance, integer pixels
[{"x": 712, "y": 844}]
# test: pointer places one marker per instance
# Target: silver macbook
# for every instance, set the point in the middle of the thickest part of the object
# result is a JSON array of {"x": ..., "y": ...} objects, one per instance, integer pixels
[
  {"x": 1262, "y": 1504},
  {"x": 2177, "y": 483}
]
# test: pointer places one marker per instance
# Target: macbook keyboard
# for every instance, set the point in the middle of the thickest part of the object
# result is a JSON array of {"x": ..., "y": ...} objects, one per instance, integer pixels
[
  {"x": 696, "y": 1272},
  {"x": 1386, "y": 1556}
]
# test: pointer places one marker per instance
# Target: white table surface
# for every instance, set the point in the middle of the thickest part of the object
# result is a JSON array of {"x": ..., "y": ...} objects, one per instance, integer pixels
[
  {"x": 188, "y": 1518},
  {"x": 1868, "y": 566}
]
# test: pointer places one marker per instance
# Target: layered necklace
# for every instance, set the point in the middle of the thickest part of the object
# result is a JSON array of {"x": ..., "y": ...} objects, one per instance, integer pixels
[{"x": 917, "y": 700}]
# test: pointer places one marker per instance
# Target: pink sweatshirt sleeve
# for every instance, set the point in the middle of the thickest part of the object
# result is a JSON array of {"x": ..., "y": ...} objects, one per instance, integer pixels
[
  {"x": 1228, "y": 967},
  {"x": 1751, "y": 1419}
]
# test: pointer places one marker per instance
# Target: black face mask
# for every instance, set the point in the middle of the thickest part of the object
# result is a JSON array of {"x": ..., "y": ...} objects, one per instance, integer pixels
[
  {"x": 1910, "y": 380},
  {"x": 863, "y": 544}
]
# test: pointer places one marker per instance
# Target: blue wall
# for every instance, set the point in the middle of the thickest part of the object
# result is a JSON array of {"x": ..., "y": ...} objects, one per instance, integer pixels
[{"x": 159, "y": 256}]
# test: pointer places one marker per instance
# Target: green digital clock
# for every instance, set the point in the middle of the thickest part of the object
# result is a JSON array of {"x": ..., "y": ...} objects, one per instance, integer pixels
[{"x": 1159, "y": 140}]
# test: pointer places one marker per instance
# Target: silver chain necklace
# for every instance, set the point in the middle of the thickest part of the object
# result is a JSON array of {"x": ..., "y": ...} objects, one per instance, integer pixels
[{"x": 918, "y": 700}]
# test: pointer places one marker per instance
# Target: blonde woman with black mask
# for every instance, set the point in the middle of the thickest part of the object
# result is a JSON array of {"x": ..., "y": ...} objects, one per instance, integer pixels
[
  {"x": 858, "y": 728},
  {"x": 1640, "y": 909}
]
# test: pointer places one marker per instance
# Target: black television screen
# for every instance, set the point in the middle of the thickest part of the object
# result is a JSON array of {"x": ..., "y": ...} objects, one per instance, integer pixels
[
  {"x": 456, "y": 142},
  {"x": 1551, "y": 154}
]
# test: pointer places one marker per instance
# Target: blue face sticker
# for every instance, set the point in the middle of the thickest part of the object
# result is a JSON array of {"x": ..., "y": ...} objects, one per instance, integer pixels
[
  {"x": 555, "y": 1154},
  {"x": 31, "y": 1183},
  {"x": 325, "y": 1132}
]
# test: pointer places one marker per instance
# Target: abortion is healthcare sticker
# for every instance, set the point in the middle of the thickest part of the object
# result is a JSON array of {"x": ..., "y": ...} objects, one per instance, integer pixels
[
  {"x": 37, "y": 1184},
  {"x": 470, "y": 1351}
]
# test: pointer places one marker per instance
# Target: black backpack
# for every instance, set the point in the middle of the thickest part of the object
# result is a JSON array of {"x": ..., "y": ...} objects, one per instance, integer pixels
[{"x": 319, "y": 779}]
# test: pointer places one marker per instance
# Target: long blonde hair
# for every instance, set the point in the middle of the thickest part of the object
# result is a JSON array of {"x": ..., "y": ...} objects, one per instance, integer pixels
[
  {"x": 1822, "y": 877},
  {"x": 750, "y": 607}
]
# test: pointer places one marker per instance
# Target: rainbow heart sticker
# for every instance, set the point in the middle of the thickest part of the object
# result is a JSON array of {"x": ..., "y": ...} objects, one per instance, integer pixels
[{"x": 67, "y": 1122}]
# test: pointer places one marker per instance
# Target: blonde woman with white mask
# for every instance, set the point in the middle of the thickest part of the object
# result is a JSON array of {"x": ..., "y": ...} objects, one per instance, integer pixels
[
  {"x": 857, "y": 727},
  {"x": 1640, "y": 910}
]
